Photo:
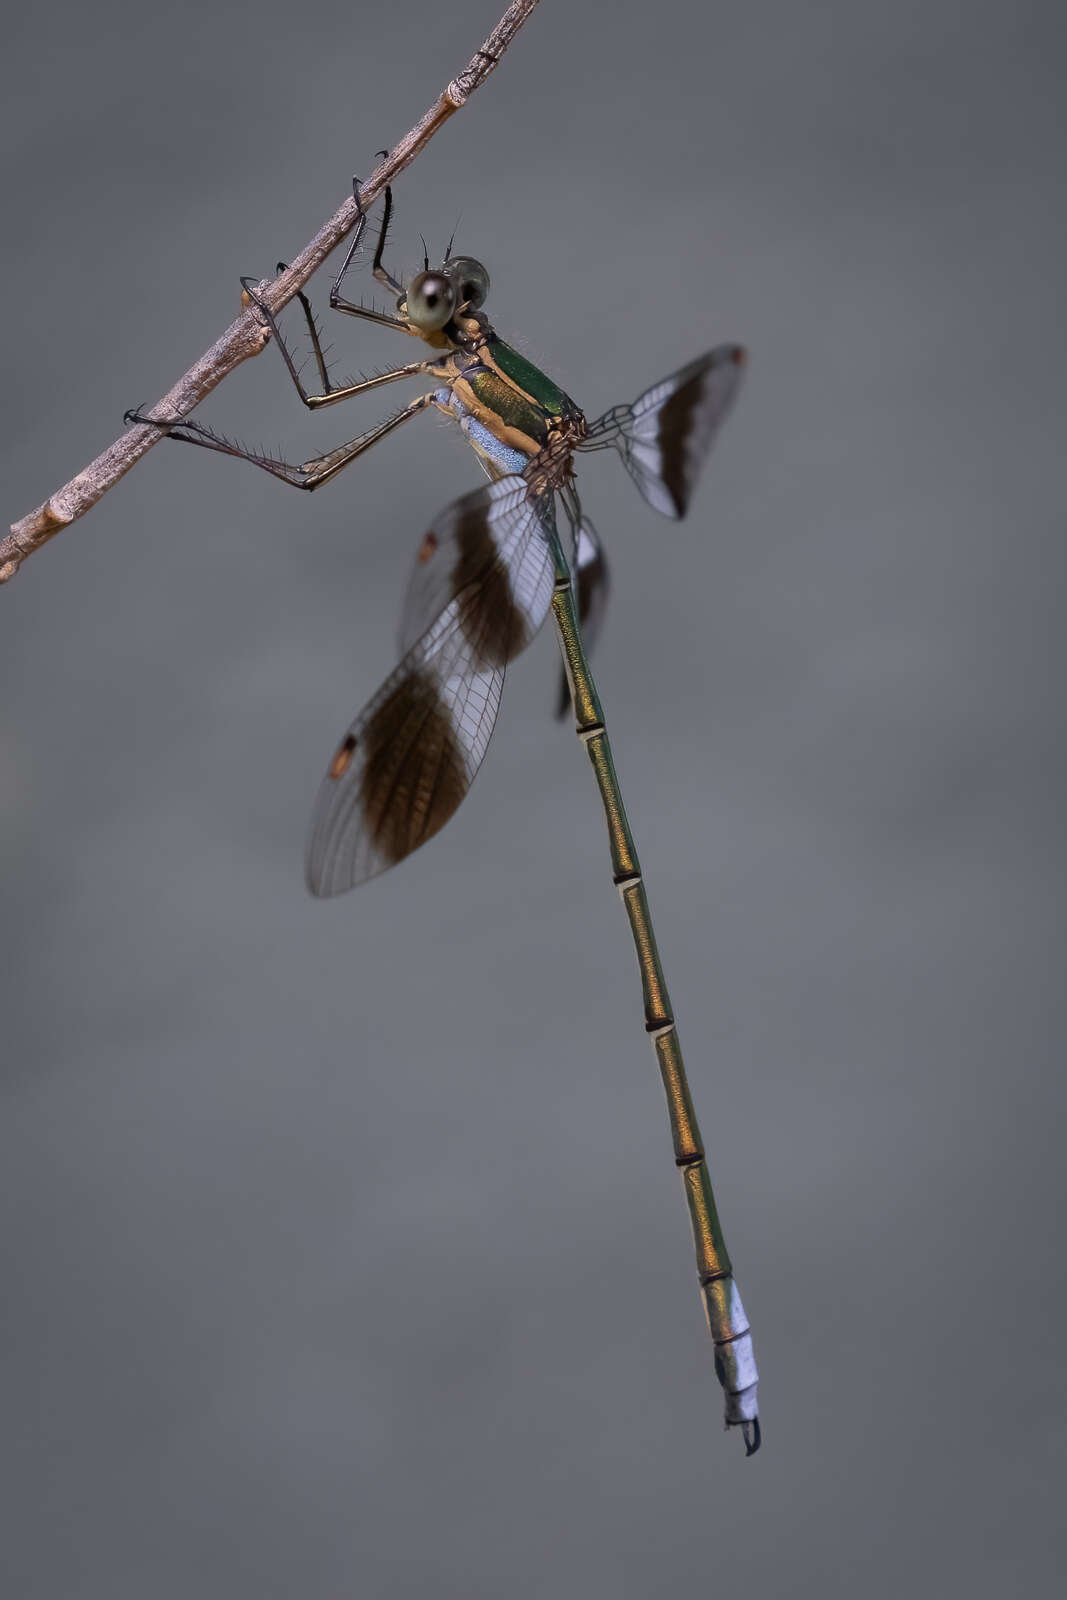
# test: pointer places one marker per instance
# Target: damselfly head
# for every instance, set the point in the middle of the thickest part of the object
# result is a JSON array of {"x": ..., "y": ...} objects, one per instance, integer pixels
[
  {"x": 431, "y": 300},
  {"x": 471, "y": 281},
  {"x": 434, "y": 296}
]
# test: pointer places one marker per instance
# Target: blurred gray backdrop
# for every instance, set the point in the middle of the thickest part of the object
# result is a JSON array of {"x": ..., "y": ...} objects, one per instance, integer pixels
[{"x": 343, "y": 1254}]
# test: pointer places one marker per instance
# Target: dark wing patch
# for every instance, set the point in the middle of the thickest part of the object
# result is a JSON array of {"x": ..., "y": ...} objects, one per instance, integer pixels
[
  {"x": 498, "y": 615},
  {"x": 407, "y": 761},
  {"x": 665, "y": 436},
  {"x": 481, "y": 540},
  {"x": 414, "y": 768}
]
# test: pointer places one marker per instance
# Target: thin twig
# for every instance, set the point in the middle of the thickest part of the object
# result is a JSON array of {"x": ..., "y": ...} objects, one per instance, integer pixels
[{"x": 247, "y": 336}]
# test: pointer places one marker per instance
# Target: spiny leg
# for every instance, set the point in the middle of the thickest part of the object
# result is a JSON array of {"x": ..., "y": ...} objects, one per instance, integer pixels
[
  {"x": 312, "y": 327},
  {"x": 315, "y": 402},
  {"x": 381, "y": 272},
  {"x": 337, "y": 300},
  {"x": 311, "y": 474}
]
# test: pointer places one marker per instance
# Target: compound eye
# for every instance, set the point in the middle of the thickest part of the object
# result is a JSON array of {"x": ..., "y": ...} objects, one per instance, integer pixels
[
  {"x": 471, "y": 281},
  {"x": 431, "y": 300}
]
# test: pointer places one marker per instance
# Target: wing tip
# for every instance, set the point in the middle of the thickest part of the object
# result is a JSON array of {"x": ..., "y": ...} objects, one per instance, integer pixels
[{"x": 316, "y": 886}]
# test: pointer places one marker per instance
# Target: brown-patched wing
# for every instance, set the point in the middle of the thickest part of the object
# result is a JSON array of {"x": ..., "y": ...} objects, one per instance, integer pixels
[
  {"x": 409, "y": 758},
  {"x": 483, "y": 538},
  {"x": 665, "y": 435}
]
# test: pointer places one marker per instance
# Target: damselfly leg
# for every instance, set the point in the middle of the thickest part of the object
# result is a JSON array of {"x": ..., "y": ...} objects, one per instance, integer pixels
[
  {"x": 310, "y": 474},
  {"x": 381, "y": 272},
  {"x": 331, "y": 396},
  {"x": 314, "y": 333}
]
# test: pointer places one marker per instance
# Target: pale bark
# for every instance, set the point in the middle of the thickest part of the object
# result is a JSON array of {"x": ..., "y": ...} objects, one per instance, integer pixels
[{"x": 247, "y": 336}]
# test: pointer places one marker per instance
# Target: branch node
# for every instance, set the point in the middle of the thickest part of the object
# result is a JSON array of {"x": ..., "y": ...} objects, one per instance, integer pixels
[{"x": 55, "y": 516}]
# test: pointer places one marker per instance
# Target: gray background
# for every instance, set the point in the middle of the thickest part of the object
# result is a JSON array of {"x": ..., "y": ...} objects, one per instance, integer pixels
[{"x": 342, "y": 1251}]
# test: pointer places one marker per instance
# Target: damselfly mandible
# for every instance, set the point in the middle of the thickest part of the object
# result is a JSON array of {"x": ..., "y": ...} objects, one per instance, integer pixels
[{"x": 485, "y": 576}]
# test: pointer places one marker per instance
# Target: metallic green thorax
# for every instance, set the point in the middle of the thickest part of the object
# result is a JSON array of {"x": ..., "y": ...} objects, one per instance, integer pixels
[
  {"x": 500, "y": 400},
  {"x": 531, "y": 379},
  {"x": 496, "y": 387}
]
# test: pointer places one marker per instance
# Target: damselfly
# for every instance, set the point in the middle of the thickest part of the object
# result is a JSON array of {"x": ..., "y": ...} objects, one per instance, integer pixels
[{"x": 486, "y": 574}]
